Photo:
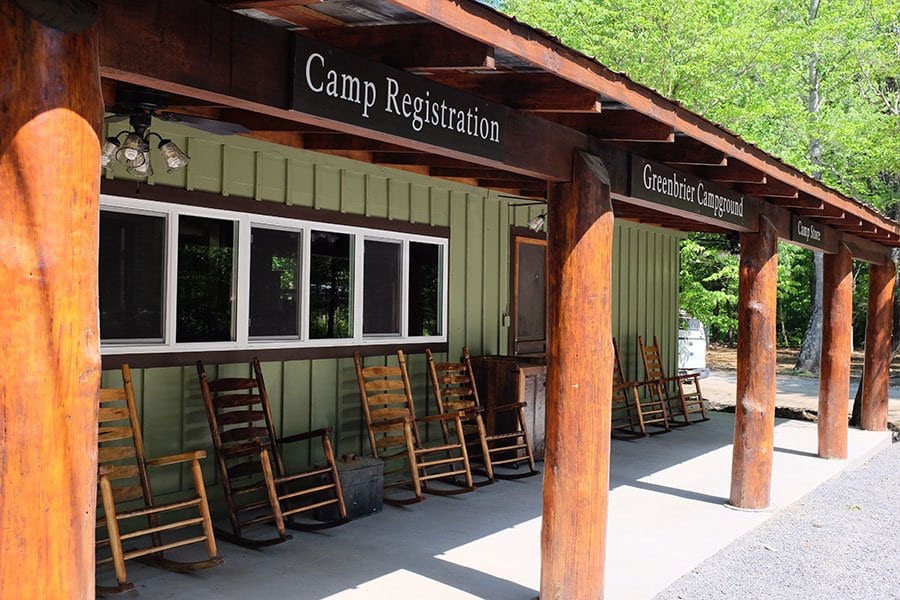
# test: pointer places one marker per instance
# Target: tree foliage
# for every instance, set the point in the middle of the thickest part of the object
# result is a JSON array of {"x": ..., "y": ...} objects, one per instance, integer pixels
[{"x": 746, "y": 64}]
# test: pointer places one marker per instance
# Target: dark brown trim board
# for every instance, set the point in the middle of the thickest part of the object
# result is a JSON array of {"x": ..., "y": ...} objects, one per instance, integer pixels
[{"x": 177, "y": 359}]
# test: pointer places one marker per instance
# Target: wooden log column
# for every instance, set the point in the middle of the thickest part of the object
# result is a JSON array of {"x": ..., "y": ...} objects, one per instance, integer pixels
[
  {"x": 51, "y": 111},
  {"x": 754, "y": 419},
  {"x": 834, "y": 375},
  {"x": 876, "y": 373},
  {"x": 579, "y": 384}
]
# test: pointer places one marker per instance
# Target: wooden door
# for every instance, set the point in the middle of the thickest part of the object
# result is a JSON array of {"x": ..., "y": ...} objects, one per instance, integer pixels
[{"x": 528, "y": 322}]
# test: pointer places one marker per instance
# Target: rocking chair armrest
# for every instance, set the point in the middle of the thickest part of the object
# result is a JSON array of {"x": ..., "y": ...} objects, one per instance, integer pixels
[
  {"x": 665, "y": 379},
  {"x": 440, "y": 417},
  {"x": 506, "y": 407},
  {"x": 176, "y": 458},
  {"x": 308, "y": 435},
  {"x": 396, "y": 420}
]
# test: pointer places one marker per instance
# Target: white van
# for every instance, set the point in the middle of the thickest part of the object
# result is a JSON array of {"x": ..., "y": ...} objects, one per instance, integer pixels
[{"x": 691, "y": 346}]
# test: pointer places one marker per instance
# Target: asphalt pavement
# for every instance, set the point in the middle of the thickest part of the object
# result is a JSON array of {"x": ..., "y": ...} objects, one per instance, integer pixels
[{"x": 840, "y": 542}]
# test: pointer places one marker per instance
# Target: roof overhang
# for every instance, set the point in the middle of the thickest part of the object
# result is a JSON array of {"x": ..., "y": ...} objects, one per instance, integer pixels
[{"x": 233, "y": 60}]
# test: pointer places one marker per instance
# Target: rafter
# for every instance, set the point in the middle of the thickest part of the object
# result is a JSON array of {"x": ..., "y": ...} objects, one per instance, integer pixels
[
  {"x": 771, "y": 188},
  {"x": 539, "y": 92},
  {"x": 734, "y": 172},
  {"x": 684, "y": 151},
  {"x": 418, "y": 46},
  {"x": 618, "y": 126}
]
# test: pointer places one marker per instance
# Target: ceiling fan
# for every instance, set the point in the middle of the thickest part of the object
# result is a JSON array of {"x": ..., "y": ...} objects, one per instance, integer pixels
[
  {"x": 140, "y": 106},
  {"x": 132, "y": 101}
]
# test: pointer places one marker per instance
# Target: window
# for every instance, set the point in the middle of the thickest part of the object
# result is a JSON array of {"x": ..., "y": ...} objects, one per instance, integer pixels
[
  {"x": 132, "y": 247},
  {"x": 382, "y": 279},
  {"x": 175, "y": 278},
  {"x": 330, "y": 280},
  {"x": 274, "y": 283},
  {"x": 205, "y": 275},
  {"x": 425, "y": 289}
]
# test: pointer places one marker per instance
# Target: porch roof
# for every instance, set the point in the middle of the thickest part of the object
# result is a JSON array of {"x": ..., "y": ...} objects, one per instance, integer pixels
[{"x": 565, "y": 99}]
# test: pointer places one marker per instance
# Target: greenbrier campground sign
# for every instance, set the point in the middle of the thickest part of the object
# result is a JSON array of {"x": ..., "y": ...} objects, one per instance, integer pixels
[
  {"x": 686, "y": 193},
  {"x": 333, "y": 84}
]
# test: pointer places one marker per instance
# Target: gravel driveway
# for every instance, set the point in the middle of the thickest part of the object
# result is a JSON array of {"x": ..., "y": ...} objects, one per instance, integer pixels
[{"x": 840, "y": 542}]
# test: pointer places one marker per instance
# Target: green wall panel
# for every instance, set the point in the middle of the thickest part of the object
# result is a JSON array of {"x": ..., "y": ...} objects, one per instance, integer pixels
[{"x": 310, "y": 394}]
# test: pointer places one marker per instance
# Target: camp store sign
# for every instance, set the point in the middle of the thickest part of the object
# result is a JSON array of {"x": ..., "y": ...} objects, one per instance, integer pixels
[
  {"x": 663, "y": 185},
  {"x": 336, "y": 85}
]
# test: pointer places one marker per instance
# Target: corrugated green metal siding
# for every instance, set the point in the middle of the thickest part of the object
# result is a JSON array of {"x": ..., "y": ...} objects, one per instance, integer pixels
[
  {"x": 645, "y": 292},
  {"x": 310, "y": 394}
]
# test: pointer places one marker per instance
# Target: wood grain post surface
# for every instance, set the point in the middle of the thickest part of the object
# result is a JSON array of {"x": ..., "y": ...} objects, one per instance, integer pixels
[
  {"x": 834, "y": 374},
  {"x": 754, "y": 419},
  {"x": 579, "y": 385},
  {"x": 876, "y": 373},
  {"x": 51, "y": 112}
]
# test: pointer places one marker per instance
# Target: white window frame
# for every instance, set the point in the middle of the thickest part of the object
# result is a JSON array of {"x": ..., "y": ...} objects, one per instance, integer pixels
[{"x": 244, "y": 222}]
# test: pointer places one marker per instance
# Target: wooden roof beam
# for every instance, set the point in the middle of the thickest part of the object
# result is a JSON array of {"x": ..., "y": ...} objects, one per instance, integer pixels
[
  {"x": 490, "y": 26},
  {"x": 771, "y": 188},
  {"x": 684, "y": 151},
  {"x": 340, "y": 141},
  {"x": 416, "y": 46},
  {"x": 419, "y": 159},
  {"x": 482, "y": 173},
  {"x": 295, "y": 12},
  {"x": 537, "y": 92},
  {"x": 734, "y": 172},
  {"x": 618, "y": 126}
]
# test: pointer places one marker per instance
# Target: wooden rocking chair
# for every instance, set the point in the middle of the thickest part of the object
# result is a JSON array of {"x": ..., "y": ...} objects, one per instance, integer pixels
[
  {"x": 391, "y": 420},
  {"x": 455, "y": 391},
  {"x": 631, "y": 412},
  {"x": 685, "y": 397},
  {"x": 258, "y": 489},
  {"x": 126, "y": 496}
]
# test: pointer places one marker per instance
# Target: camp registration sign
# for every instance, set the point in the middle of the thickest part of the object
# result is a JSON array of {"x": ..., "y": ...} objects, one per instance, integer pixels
[
  {"x": 336, "y": 85},
  {"x": 663, "y": 185}
]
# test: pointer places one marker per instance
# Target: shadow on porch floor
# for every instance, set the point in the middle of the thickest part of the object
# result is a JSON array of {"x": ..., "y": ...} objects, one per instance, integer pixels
[{"x": 666, "y": 512}]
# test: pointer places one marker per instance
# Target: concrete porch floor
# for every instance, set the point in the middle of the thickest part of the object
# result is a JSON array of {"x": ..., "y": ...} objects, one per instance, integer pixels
[{"x": 666, "y": 515}]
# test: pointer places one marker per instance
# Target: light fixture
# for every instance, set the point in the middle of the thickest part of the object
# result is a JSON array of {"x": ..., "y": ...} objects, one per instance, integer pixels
[
  {"x": 175, "y": 158},
  {"x": 134, "y": 151},
  {"x": 538, "y": 222}
]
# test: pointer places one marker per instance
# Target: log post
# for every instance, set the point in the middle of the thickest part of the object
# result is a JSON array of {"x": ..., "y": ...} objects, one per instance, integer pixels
[
  {"x": 51, "y": 112},
  {"x": 579, "y": 384},
  {"x": 754, "y": 418},
  {"x": 837, "y": 332},
  {"x": 876, "y": 373}
]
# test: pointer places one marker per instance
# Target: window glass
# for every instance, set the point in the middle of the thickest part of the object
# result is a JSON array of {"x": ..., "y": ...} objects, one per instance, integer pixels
[
  {"x": 205, "y": 278},
  {"x": 330, "y": 285},
  {"x": 381, "y": 288},
  {"x": 132, "y": 264},
  {"x": 425, "y": 292},
  {"x": 274, "y": 282}
]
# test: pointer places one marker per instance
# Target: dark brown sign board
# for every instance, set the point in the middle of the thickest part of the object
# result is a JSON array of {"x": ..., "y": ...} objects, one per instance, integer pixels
[
  {"x": 806, "y": 232},
  {"x": 336, "y": 85},
  {"x": 689, "y": 194}
]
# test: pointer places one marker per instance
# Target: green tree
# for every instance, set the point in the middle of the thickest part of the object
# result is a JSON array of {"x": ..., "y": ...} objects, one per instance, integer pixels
[{"x": 760, "y": 68}]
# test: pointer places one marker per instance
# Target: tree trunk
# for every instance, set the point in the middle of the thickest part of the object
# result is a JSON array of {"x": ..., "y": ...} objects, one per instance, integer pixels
[{"x": 811, "y": 350}]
